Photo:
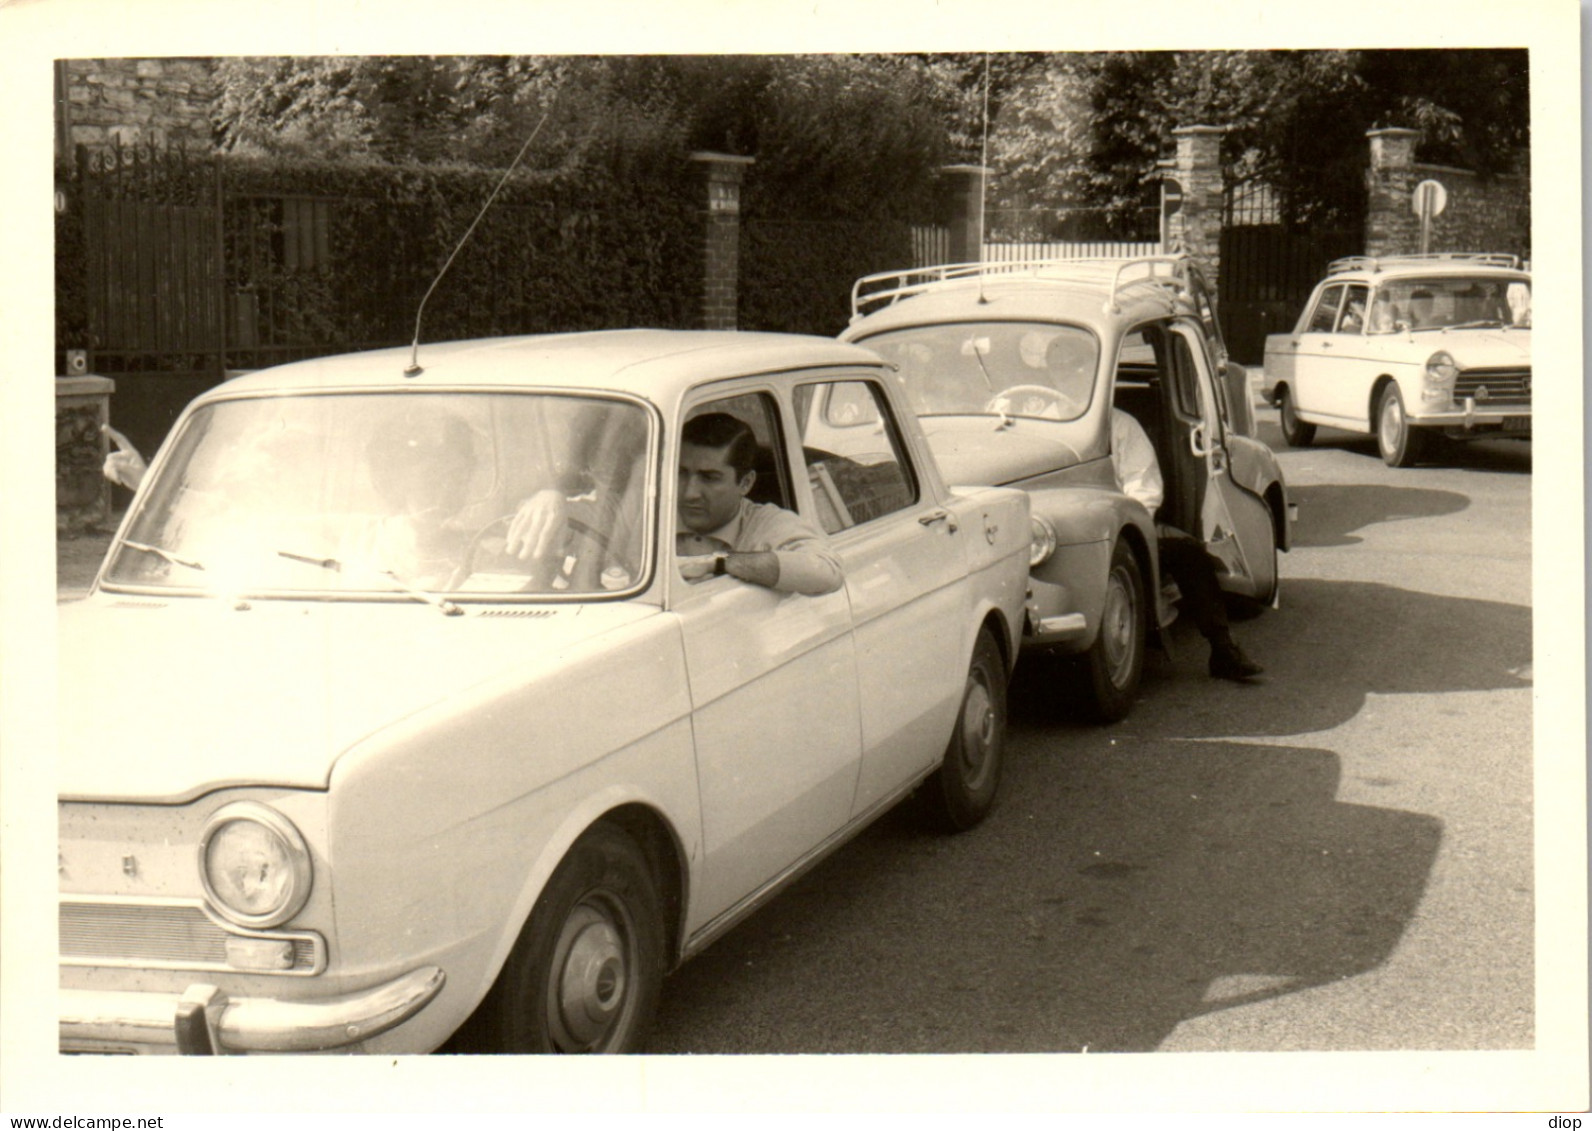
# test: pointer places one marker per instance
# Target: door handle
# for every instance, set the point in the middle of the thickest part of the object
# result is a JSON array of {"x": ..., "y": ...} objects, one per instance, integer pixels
[
  {"x": 1196, "y": 441},
  {"x": 939, "y": 516}
]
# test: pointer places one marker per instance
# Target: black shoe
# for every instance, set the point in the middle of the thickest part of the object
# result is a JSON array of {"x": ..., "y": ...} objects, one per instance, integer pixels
[{"x": 1229, "y": 662}]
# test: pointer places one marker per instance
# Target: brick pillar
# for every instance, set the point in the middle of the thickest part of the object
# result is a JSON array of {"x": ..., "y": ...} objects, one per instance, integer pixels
[
  {"x": 964, "y": 185},
  {"x": 1196, "y": 227},
  {"x": 721, "y": 238},
  {"x": 1391, "y": 228}
]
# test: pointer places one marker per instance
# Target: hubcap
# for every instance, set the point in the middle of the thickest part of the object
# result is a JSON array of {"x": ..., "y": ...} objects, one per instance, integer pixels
[
  {"x": 1116, "y": 628},
  {"x": 1392, "y": 424},
  {"x": 590, "y": 979},
  {"x": 978, "y": 732}
]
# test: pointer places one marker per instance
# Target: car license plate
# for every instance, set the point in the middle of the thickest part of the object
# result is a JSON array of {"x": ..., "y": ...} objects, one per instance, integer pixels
[{"x": 1517, "y": 424}]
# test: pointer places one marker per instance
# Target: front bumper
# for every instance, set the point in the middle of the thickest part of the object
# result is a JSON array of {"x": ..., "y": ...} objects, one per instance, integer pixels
[
  {"x": 203, "y": 1020},
  {"x": 1471, "y": 417}
]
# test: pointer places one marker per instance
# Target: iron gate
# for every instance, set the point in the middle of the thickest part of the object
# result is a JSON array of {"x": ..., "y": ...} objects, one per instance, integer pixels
[{"x": 1269, "y": 267}]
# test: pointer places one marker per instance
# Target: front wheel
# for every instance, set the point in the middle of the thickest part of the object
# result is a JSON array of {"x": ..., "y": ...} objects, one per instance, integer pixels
[
  {"x": 1400, "y": 444},
  {"x": 962, "y": 791},
  {"x": 1116, "y": 659},
  {"x": 586, "y": 971},
  {"x": 1296, "y": 432}
]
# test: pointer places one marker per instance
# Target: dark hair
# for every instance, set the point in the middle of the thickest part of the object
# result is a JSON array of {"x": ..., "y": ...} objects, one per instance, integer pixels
[{"x": 719, "y": 431}]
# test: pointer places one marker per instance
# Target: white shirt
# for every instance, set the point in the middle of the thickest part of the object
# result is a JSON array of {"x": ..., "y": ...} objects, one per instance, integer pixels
[
  {"x": 806, "y": 563},
  {"x": 1133, "y": 460}
]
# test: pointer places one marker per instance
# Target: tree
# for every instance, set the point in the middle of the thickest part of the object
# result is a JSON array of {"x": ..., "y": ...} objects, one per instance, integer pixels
[{"x": 1089, "y": 129}]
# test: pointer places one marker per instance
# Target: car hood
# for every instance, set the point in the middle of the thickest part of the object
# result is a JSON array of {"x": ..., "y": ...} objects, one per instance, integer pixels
[
  {"x": 1479, "y": 349},
  {"x": 977, "y": 451},
  {"x": 167, "y": 700}
]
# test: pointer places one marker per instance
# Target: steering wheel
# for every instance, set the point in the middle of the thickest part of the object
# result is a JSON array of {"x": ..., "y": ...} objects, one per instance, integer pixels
[
  {"x": 586, "y": 555},
  {"x": 1005, "y": 401}
]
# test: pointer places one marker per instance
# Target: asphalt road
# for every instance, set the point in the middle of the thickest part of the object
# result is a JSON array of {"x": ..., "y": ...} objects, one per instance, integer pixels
[{"x": 1338, "y": 857}]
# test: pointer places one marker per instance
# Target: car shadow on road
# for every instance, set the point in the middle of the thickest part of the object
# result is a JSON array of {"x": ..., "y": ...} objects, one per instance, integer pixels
[
  {"x": 1509, "y": 456},
  {"x": 1144, "y": 884},
  {"x": 1330, "y": 645},
  {"x": 1331, "y": 513}
]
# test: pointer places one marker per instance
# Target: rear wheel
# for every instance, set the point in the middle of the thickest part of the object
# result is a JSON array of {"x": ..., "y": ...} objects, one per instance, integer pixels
[
  {"x": 962, "y": 791},
  {"x": 1400, "y": 444},
  {"x": 1296, "y": 432},
  {"x": 586, "y": 971},
  {"x": 1116, "y": 659}
]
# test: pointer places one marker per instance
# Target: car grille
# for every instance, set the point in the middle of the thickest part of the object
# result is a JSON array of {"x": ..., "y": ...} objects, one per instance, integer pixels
[
  {"x": 166, "y": 936},
  {"x": 1494, "y": 386}
]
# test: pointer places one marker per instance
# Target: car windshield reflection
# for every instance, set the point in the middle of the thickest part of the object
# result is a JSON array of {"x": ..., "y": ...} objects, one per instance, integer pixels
[
  {"x": 1450, "y": 303},
  {"x": 1013, "y": 369},
  {"x": 345, "y": 494}
]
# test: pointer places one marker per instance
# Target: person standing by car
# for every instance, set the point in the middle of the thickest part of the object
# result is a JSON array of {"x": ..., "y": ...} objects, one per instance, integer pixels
[
  {"x": 1182, "y": 557},
  {"x": 721, "y": 531}
]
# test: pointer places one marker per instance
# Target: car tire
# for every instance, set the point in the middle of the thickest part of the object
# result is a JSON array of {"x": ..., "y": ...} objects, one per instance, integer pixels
[
  {"x": 962, "y": 791},
  {"x": 1400, "y": 444},
  {"x": 586, "y": 972},
  {"x": 1295, "y": 432},
  {"x": 1115, "y": 660}
]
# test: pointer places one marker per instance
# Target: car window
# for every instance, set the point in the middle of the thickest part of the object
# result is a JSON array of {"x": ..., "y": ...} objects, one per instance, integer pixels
[
  {"x": 1044, "y": 370},
  {"x": 1446, "y": 302},
  {"x": 1352, "y": 320},
  {"x": 760, "y": 412},
  {"x": 1325, "y": 313},
  {"x": 377, "y": 492},
  {"x": 856, "y": 465}
]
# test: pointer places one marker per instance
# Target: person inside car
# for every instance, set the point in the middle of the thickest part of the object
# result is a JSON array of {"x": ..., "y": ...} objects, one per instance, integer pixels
[
  {"x": 1183, "y": 557},
  {"x": 721, "y": 531}
]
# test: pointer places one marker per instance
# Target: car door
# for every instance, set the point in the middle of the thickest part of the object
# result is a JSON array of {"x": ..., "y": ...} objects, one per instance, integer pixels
[
  {"x": 1345, "y": 370},
  {"x": 775, "y": 712},
  {"x": 1313, "y": 352},
  {"x": 906, "y": 578},
  {"x": 1235, "y": 523}
]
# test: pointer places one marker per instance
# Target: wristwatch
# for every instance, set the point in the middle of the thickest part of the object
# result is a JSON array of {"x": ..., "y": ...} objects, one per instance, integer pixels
[{"x": 719, "y": 569}]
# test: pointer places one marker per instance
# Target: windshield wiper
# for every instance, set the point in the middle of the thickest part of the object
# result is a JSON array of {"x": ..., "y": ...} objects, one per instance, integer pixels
[
  {"x": 448, "y": 607},
  {"x": 186, "y": 563},
  {"x": 1499, "y": 323}
]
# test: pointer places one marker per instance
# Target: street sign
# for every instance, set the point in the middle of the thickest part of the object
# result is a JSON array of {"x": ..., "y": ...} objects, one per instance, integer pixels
[{"x": 1429, "y": 199}]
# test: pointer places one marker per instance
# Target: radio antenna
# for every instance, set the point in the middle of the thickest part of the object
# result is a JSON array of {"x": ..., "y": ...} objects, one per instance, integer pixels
[
  {"x": 983, "y": 166},
  {"x": 413, "y": 368}
]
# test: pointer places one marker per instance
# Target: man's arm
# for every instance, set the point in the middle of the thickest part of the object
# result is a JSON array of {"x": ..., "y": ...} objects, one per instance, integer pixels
[{"x": 797, "y": 559}]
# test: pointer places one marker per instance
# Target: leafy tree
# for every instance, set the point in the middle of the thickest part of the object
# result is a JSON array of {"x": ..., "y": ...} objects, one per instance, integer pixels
[{"x": 1089, "y": 129}]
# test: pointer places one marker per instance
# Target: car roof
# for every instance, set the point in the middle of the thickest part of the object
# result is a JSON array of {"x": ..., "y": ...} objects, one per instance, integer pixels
[
  {"x": 658, "y": 364},
  {"x": 1368, "y": 269},
  {"x": 1089, "y": 292}
]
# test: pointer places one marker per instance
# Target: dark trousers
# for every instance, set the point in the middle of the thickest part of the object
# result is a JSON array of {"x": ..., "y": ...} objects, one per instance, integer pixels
[{"x": 1184, "y": 559}]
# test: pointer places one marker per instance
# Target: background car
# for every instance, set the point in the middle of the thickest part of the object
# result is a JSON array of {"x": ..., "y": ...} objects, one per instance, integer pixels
[
  {"x": 1408, "y": 348},
  {"x": 1013, "y": 370},
  {"x": 375, "y": 778}
]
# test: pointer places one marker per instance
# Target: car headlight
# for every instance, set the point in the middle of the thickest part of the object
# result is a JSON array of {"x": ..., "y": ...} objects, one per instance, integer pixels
[
  {"x": 254, "y": 865},
  {"x": 1441, "y": 372},
  {"x": 1042, "y": 541}
]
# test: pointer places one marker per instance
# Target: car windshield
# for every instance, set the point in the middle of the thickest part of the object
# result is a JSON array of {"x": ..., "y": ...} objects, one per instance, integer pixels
[
  {"x": 1450, "y": 302},
  {"x": 395, "y": 493},
  {"x": 1030, "y": 369}
]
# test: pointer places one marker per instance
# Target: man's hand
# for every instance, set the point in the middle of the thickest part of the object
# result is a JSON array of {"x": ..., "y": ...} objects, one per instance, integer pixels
[
  {"x": 536, "y": 524},
  {"x": 124, "y": 466}
]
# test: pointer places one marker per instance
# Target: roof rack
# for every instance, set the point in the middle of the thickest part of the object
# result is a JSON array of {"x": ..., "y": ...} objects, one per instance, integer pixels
[
  {"x": 1112, "y": 274},
  {"x": 1377, "y": 263}
]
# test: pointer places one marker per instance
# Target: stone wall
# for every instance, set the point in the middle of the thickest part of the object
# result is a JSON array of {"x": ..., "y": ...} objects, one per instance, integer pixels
[
  {"x": 1481, "y": 214},
  {"x": 135, "y": 100}
]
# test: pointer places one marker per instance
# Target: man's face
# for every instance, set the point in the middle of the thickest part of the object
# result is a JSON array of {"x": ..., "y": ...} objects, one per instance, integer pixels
[{"x": 710, "y": 493}]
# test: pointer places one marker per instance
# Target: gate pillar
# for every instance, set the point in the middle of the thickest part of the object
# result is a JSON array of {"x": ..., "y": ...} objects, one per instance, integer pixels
[
  {"x": 721, "y": 240},
  {"x": 1196, "y": 227},
  {"x": 1390, "y": 227}
]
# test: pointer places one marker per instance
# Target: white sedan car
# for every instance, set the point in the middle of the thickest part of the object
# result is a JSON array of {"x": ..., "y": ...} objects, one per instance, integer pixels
[
  {"x": 1409, "y": 348},
  {"x": 374, "y": 778}
]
